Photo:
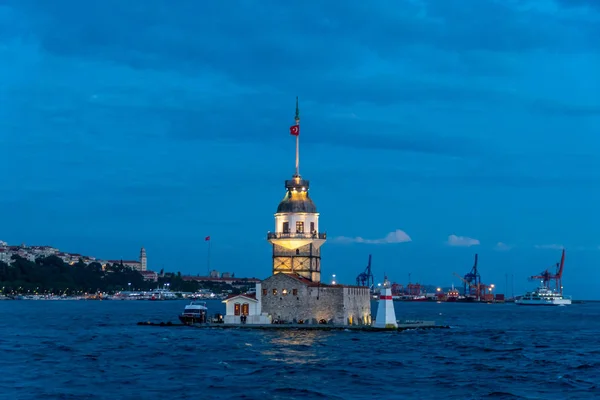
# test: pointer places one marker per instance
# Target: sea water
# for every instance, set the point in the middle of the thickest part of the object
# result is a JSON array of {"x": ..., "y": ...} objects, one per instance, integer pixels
[{"x": 95, "y": 350}]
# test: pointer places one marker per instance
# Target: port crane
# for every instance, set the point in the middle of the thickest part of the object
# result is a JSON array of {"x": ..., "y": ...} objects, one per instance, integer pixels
[
  {"x": 548, "y": 276},
  {"x": 366, "y": 278},
  {"x": 474, "y": 291},
  {"x": 472, "y": 286}
]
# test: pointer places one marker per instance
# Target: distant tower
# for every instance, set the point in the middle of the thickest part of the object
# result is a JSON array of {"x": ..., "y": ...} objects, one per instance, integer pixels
[
  {"x": 297, "y": 240},
  {"x": 143, "y": 259},
  {"x": 386, "y": 316}
]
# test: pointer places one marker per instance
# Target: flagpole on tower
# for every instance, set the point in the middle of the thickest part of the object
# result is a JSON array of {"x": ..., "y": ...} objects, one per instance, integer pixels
[
  {"x": 297, "y": 118},
  {"x": 295, "y": 131}
]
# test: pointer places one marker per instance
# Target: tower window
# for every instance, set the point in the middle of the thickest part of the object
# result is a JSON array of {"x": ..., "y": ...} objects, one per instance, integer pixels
[
  {"x": 286, "y": 227},
  {"x": 295, "y": 292},
  {"x": 274, "y": 292},
  {"x": 312, "y": 227},
  {"x": 299, "y": 227}
]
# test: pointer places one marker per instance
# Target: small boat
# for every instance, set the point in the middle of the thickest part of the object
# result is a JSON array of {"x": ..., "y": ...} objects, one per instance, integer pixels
[
  {"x": 543, "y": 296},
  {"x": 194, "y": 313}
]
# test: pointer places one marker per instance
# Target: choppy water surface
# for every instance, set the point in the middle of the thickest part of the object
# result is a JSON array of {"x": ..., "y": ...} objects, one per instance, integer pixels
[{"x": 94, "y": 350}]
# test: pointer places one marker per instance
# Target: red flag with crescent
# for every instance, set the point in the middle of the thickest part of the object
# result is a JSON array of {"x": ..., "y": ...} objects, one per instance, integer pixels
[{"x": 295, "y": 130}]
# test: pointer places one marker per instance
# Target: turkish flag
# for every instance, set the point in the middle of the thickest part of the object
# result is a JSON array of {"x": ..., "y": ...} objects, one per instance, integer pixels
[
  {"x": 206, "y": 239},
  {"x": 295, "y": 130}
]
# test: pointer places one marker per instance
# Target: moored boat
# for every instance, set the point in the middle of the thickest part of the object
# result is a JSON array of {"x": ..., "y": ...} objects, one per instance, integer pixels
[{"x": 194, "y": 313}]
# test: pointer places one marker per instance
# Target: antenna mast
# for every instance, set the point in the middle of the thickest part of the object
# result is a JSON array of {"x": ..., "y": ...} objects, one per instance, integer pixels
[{"x": 297, "y": 118}]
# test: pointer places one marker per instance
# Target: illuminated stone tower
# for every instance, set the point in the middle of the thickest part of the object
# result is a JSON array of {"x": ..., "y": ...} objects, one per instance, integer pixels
[
  {"x": 143, "y": 259},
  {"x": 297, "y": 239}
]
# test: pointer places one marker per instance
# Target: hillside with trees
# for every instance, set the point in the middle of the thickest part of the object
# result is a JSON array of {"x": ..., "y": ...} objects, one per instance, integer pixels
[{"x": 52, "y": 275}]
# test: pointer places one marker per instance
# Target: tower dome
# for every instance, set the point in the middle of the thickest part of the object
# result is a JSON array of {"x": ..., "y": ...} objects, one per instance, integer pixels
[{"x": 296, "y": 199}]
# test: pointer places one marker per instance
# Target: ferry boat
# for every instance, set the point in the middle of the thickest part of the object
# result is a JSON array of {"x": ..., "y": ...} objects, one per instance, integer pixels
[
  {"x": 543, "y": 296},
  {"x": 194, "y": 313},
  {"x": 162, "y": 294}
]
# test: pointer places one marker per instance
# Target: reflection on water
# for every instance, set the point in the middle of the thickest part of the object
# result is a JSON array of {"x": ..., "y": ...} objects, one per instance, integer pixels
[
  {"x": 298, "y": 338},
  {"x": 295, "y": 347}
]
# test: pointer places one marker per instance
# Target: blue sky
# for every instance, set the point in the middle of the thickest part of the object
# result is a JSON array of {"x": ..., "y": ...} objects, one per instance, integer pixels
[{"x": 155, "y": 123}]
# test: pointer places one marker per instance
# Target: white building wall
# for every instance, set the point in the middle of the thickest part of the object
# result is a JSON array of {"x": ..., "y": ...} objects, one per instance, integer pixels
[
  {"x": 292, "y": 218},
  {"x": 254, "y": 312},
  {"x": 259, "y": 297}
]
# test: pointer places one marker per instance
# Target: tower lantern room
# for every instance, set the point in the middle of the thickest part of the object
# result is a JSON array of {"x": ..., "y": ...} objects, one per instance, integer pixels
[{"x": 297, "y": 239}]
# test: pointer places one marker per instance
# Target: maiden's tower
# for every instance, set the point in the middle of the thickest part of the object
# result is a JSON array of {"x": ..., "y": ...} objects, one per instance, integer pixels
[{"x": 295, "y": 293}]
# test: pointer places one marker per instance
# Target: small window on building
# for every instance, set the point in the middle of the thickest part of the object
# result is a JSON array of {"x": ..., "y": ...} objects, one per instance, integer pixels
[
  {"x": 299, "y": 227},
  {"x": 284, "y": 292},
  {"x": 236, "y": 309},
  {"x": 286, "y": 227},
  {"x": 312, "y": 227},
  {"x": 295, "y": 292},
  {"x": 245, "y": 309},
  {"x": 274, "y": 292},
  {"x": 264, "y": 292}
]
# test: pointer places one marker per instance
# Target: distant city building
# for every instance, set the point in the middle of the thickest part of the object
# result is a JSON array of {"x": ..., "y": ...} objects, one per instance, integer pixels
[
  {"x": 236, "y": 282},
  {"x": 32, "y": 253},
  {"x": 216, "y": 274},
  {"x": 150, "y": 276},
  {"x": 143, "y": 260},
  {"x": 138, "y": 265},
  {"x": 4, "y": 255}
]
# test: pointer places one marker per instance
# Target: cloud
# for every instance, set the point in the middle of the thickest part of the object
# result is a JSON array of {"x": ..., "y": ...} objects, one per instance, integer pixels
[
  {"x": 502, "y": 247},
  {"x": 462, "y": 241},
  {"x": 549, "y": 246},
  {"x": 398, "y": 236},
  {"x": 167, "y": 96}
]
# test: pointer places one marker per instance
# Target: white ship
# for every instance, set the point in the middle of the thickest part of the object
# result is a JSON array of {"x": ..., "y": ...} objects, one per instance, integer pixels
[{"x": 543, "y": 296}]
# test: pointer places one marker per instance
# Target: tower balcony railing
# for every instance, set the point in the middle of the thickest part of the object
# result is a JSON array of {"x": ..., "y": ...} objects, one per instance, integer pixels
[{"x": 296, "y": 235}]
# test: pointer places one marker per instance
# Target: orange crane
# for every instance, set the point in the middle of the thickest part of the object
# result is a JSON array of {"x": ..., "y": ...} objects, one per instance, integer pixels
[
  {"x": 547, "y": 276},
  {"x": 397, "y": 289}
]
